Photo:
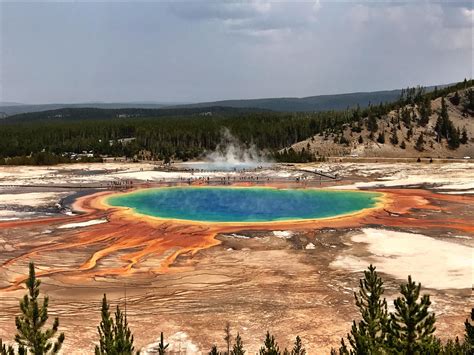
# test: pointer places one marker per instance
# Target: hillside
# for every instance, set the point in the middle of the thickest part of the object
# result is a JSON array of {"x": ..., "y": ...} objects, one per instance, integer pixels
[{"x": 398, "y": 132}]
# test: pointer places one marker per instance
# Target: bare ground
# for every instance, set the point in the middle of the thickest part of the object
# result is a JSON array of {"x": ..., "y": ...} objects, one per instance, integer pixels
[{"x": 287, "y": 282}]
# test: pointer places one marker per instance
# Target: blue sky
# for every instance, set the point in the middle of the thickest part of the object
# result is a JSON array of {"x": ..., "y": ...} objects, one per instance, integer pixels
[{"x": 186, "y": 51}]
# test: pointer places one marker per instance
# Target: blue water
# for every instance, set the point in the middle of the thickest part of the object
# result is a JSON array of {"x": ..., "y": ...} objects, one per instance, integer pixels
[{"x": 253, "y": 204}]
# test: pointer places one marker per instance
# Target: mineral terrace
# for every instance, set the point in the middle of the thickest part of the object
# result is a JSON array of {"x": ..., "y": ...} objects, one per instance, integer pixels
[{"x": 188, "y": 279}]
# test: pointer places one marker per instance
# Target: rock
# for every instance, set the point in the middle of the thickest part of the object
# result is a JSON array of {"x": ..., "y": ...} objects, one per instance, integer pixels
[{"x": 310, "y": 246}]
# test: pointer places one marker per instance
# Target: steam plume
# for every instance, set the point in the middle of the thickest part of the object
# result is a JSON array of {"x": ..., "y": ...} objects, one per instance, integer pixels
[{"x": 231, "y": 153}]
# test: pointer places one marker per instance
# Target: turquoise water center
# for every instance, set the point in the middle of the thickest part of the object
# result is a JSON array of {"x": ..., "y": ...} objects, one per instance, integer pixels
[{"x": 243, "y": 204}]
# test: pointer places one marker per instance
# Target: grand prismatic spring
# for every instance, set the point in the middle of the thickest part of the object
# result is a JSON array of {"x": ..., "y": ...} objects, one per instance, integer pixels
[{"x": 243, "y": 204}]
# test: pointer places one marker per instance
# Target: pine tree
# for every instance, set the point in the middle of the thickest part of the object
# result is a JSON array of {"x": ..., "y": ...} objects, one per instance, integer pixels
[
  {"x": 406, "y": 118},
  {"x": 105, "y": 329},
  {"x": 30, "y": 335},
  {"x": 469, "y": 336},
  {"x": 214, "y": 350},
  {"x": 123, "y": 337},
  {"x": 469, "y": 100},
  {"x": 403, "y": 145},
  {"x": 6, "y": 350},
  {"x": 115, "y": 337},
  {"x": 356, "y": 114},
  {"x": 394, "y": 136},
  {"x": 368, "y": 336},
  {"x": 238, "y": 348},
  {"x": 425, "y": 111},
  {"x": 343, "y": 350},
  {"x": 381, "y": 138},
  {"x": 441, "y": 121},
  {"x": 454, "y": 140},
  {"x": 445, "y": 128},
  {"x": 372, "y": 125},
  {"x": 454, "y": 347},
  {"x": 270, "y": 346},
  {"x": 412, "y": 325},
  {"x": 464, "y": 139},
  {"x": 343, "y": 140},
  {"x": 298, "y": 348},
  {"x": 228, "y": 335},
  {"x": 361, "y": 140},
  {"x": 455, "y": 99},
  {"x": 419, "y": 143},
  {"x": 162, "y": 346}
]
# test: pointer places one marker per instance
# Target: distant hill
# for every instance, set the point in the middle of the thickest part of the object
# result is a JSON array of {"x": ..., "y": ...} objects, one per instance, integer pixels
[
  {"x": 282, "y": 104},
  {"x": 8, "y": 103},
  {"x": 16, "y": 108},
  {"x": 314, "y": 103},
  {"x": 310, "y": 103}
]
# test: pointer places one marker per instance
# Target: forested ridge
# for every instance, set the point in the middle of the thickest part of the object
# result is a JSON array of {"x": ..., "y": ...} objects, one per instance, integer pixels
[
  {"x": 50, "y": 137},
  {"x": 183, "y": 137},
  {"x": 93, "y": 113}
]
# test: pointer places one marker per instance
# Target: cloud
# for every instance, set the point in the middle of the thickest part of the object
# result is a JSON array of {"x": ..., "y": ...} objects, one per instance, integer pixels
[
  {"x": 443, "y": 26},
  {"x": 252, "y": 18},
  {"x": 468, "y": 15},
  {"x": 453, "y": 39},
  {"x": 223, "y": 10}
]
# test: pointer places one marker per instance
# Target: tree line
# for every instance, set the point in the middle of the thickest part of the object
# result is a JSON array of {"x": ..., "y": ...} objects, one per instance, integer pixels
[
  {"x": 409, "y": 329},
  {"x": 180, "y": 138}
]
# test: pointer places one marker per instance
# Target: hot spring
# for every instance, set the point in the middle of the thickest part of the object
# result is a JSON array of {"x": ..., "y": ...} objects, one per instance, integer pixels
[{"x": 243, "y": 204}]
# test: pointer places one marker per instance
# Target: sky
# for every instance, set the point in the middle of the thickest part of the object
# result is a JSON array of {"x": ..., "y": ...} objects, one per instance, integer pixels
[{"x": 190, "y": 51}]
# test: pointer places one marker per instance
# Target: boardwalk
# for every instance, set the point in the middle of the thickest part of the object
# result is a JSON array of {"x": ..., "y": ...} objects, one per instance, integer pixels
[{"x": 195, "y": 177}]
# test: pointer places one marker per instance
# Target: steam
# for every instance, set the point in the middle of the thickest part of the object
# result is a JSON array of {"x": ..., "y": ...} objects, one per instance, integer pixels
[{"x": 230, "y": 153}]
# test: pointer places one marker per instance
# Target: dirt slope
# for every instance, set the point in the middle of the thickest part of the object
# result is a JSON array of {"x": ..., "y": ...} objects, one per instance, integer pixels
[{"x": 325, "y": 145}]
